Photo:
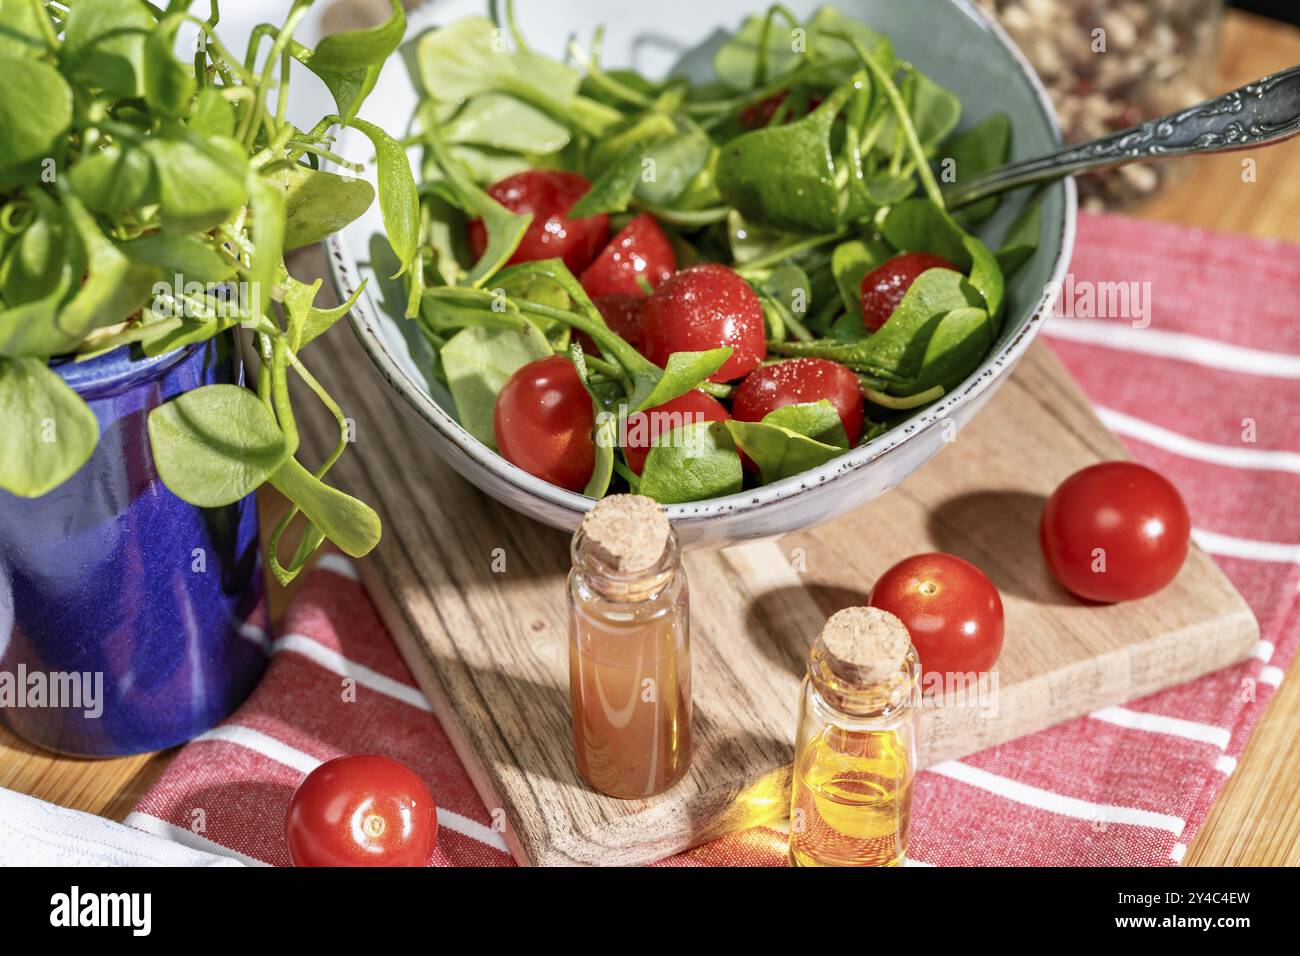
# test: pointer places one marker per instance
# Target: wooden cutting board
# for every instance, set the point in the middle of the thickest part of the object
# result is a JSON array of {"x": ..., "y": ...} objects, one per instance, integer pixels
[{"x": 489, "y": 647}]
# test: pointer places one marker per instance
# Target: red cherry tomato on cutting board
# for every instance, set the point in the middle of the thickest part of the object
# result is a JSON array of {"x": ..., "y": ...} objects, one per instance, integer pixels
[
  {"x": 951, "y": 609},
  {"x": 644, "y": 427},
  {"x": 795, "y": 382},
  {"x": 1115, "y": 532},
  {"x": 706, "y": 307},
  {"x": 639, "y": 250},
  {"x": 884, "y": 286},
  {"x": 622, "y": 313},
  {"x": 548, "y": 194},
  {"x": 543, "y": 421},
  {"x": 361, "y": 811}
]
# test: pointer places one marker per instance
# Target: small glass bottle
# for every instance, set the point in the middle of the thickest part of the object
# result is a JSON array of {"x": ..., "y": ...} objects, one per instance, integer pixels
[
  {"x": 629, "y": 650},
  {"x": 855, "y": 753}
]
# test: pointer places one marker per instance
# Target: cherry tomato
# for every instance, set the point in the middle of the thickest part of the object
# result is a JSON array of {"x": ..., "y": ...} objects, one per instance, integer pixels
[
  {"x": 622, "y": 313},
  {"x": 884, "y": 286},
  {"x": 640, "y": 249},
  {"x": 797, "y": 381},
  {"x": 760, "y": 114},
  {"x": 543, "y": 421},
  {"x": 1114, "y": 532},
  {"x": 706, "y": 307},
  {"x": 952, "y": 611},
  {"x": 757, "y": 115},
  {"x": 361, "y": 811},
  {"x": 548, "y": 194},
  {"x": 644, "y": 427}
]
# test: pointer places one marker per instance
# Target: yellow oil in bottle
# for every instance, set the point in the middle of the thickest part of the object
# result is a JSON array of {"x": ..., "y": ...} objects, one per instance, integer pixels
[
  {"x": 852, "y": 798},
  {"x": 855, "y": 753}
]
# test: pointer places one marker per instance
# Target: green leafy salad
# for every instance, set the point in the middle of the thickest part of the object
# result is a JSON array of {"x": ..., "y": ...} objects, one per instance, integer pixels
[{"x": 687, "y": 289}]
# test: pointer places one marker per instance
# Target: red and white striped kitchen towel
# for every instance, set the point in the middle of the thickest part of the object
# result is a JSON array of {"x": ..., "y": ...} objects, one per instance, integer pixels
[{"x": 1208, "y": 394}]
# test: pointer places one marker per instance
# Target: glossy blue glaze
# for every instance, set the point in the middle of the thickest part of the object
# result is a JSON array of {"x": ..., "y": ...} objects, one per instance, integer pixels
[{"x": 111, "y": 574}]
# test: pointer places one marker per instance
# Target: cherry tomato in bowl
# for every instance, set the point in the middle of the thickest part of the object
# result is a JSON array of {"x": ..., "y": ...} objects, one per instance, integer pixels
[
  {"x": 548, "y": 194},
  {"x": 543, "y": 420},
  {"x": 640, "y": 250},
  {"x": 795, "y": 382},
  {"x": 1115, "y": 531},
  {"x": 622, "y": 313},
  {"x": 706, "y": 307},
  {"x": 364, "y": 810},
  {"x": 883, "y": 287},
  {"x": 951, "y": 609}
]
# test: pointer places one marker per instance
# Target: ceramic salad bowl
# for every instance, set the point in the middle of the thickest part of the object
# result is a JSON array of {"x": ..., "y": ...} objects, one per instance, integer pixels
[{"x": 948, "y": 39}]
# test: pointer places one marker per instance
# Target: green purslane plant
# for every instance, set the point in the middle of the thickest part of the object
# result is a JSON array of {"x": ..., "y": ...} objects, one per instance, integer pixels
[
  {"x": 147, "y": 198},
  {"x": 814, "y": 156}
]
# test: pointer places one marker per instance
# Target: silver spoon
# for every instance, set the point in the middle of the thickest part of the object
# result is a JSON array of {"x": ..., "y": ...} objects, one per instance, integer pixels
[{"x": 1261, "y": 113}]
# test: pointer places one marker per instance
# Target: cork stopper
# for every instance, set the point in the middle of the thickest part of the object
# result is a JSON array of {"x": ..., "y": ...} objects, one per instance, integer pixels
[
  {"x": 627, "y": 533},
  {"x": 865, "y": 644}
]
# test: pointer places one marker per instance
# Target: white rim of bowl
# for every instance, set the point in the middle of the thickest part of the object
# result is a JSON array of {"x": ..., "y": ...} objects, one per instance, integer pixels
[{"x": 345, "y": 274}]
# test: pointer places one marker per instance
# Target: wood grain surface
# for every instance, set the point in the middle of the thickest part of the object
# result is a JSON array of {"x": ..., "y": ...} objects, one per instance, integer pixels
[{"x": 1256, "y": 820}]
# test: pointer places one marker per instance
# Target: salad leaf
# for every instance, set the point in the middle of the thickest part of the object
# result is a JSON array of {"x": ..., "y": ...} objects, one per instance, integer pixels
[
  {"x": 983, "y": 147},
  {"x": 934, "y": 110},
  {"x": 605, "y": 440},
  {"x": 792, "y": 439},
  {"x": 896, "y": 351},
  {"x": 349, "y": 523},
  {"x": 478, "y": 362},
  {"x": 1021, "y": 239},
  {"x": 349, "y": 62},
  {"x": 691, "y": 463},
  {"x": 201, "y": 182},
  {"x": 115, "y": 179},
  {"x": 398, "y": 196},
  {"x": 318, "y": 204},
  {"x": 216, "y": 444},
  {"x": 783, "y": 175},
  {"x": 356, "y": 49},
  {"x": 114, "y": 286},
  {"x": 20, "y": 29},
  {"x": 168, "y": 87},
  {"x": 29, "y": 135},
  {"x": 467, "y": 58},
  {"x": 959, "y": 343},
  {"x": 49, "y": 431},
  {"x": 104, "y": 45},
  {"x": 817, "y": 420},
  {"x": 684, "y": 371},
  {"x": 676, "y": 162},
  {"x": 500, "y": 121},
  {"x": 919, "y": 225},
  {"x": 184, "y": 256},
  {"x": 613, "y": 189}
]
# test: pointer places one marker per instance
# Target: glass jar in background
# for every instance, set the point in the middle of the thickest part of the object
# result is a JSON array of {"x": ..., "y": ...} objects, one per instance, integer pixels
[
  {"x": 855, "y": 749},
  {"x": 1109, "y": 64}
]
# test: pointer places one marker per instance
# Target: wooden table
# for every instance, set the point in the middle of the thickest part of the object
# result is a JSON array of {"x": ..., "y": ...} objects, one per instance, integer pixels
[{"x": 1256, "y": 820}]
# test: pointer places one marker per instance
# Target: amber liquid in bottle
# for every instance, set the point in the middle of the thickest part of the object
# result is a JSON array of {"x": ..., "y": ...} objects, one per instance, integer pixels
[
  {"x": 855, "y": 760},
  {"x": 629, "y": 673}
]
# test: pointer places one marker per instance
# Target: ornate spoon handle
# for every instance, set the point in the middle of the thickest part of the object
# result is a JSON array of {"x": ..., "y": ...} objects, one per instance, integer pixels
[{"x": 1258, "y": 114}]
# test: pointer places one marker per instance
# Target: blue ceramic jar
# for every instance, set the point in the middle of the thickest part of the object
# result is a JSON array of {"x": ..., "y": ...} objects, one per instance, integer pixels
[{"x": 130, "y": 620}]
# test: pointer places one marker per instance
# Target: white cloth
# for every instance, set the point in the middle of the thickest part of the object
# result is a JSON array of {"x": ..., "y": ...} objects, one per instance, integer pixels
[{"x": 36, "y": 833}]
